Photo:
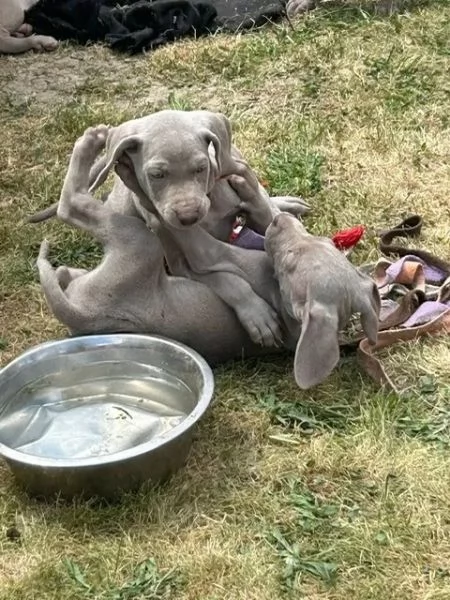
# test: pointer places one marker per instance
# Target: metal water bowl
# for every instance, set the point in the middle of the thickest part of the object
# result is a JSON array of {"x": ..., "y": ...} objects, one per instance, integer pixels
[{"x": 99, "y": 415}]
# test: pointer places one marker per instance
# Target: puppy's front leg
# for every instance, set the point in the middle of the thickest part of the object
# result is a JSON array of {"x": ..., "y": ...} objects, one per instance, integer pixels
[
  {"x": 176, "y": 261},
  {"x": 193, "y": 253},
  {"x": 255, "y": 315},
  {"x": 77, "y": 207}
]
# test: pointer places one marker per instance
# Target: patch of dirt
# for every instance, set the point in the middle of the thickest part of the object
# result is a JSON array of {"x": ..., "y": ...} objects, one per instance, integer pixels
[
  {"x": 56, "y": 77},
  {"x": 43, "y": 82}
]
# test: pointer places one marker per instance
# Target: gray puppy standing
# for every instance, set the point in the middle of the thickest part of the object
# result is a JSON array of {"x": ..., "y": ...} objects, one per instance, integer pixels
[{"x": 321, "y": 289}]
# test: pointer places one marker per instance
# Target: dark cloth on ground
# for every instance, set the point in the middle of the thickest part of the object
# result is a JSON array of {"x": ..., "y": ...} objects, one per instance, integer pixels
[
  {"x": 141, "y": 25},
  {"x": 234, "y": 15},
  {"x": 135, "y": 25}
]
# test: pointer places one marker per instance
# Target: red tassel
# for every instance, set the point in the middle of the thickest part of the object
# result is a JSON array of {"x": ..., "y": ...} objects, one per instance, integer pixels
[{"x": 347, "y": 238}]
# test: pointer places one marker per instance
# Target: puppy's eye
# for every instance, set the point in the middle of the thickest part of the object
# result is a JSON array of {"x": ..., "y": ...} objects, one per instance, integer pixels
[
  {"x": 200, "y": 169},
  {"x": 157, "y": 175}
]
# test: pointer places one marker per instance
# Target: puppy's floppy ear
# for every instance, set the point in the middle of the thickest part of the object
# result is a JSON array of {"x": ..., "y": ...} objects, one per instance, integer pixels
[
  {"x": 116, "y": 145},
  {"x": 216, "y": 130},
  {"x": 369, "y": 307},
  {"x": 317, "y": 351}
]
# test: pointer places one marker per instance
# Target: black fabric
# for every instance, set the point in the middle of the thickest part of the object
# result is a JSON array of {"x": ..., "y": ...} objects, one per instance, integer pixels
[
  {"x": 136, "y": 25},
  {"x": 233, "y": 15},
  {"x": 133, "y": 27},
  {"x": 148, "y": 25}
]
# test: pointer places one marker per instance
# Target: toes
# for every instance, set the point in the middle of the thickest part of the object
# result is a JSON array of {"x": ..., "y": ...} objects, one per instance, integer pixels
[
  {"x": 276, "y": 334},
  {"x": 49, "y": 44},
  {"x": 94, "y": 138},
  {"x": 41, "y": 44},
  {"x": 102, "y": 132},
  {"x": 258, "y": 333},
  {"x": 273, "y": 335},
  {"x": 295, "y": 206},
  {"x": 255, "y": 335},
  {"x": 241, "y": 166},
  {"x": 267, "y": 333},
  {"x": 236, "y": 181},
  {"x": 267, "y": 339},
  {"x": 44, "y": 249},
  {"x": 50, "y": 47}
]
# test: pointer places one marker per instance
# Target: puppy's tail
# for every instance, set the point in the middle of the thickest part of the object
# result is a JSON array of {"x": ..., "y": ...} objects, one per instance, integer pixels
[
  {"x": 56, "y": 299},
  {"x": 43, "y": 215}
]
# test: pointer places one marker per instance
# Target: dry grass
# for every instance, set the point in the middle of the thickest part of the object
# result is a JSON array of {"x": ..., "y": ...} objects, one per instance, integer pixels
[{"x": 341, "y": 492}]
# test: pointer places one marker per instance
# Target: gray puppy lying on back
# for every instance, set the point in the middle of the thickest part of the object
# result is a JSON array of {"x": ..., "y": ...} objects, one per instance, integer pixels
[
  {"x": 130, "y": 291},
  {"x": 173, "y": 160},
  {"x": 321, "y": 289}
]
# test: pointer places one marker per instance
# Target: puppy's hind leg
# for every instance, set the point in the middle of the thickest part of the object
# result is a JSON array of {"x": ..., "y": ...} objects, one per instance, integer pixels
[
  {"x": 77, "y": 207},
  {"x": 56, "y": 299}
]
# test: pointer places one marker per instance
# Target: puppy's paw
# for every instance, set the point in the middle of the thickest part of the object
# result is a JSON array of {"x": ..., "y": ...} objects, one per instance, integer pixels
[
  {"x": 93, "y": 140},
  {"x": 43, "y": 250},
  {"x": 242, "y": 187},
  {"x": 246, "y": 187},
  {"x": 291, "y": 204},
  {"x": 44, "y": 43},
  {"x": 262, "y": 325}
]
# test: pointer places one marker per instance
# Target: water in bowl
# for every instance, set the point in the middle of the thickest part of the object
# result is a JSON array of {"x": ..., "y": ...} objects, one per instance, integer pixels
[{"x": 94, "y": 411}]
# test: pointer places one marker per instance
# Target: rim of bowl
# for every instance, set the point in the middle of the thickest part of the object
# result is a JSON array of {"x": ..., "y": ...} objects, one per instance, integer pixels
[{"x": 204, "y": 401}]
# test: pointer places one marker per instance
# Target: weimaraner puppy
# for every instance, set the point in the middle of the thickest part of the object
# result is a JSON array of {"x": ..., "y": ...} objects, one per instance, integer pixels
[
  {"x": 130, "y": 290},
  {"x": 169, "y": 153},
  {"x": 208, "y": 262},
  {"x": 180, "y": 159},
  {"x": 16, "y": 35},
  {"x": 242, "y": 278},
  {"x": 321, "y": 289}
]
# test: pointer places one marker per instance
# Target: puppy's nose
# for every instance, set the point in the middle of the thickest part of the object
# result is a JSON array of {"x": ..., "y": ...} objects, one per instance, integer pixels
[{"x": 188, "y": 219}]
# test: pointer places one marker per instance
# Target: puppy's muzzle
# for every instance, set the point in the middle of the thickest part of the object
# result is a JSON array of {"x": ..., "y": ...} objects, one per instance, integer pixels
[
  {"x": 189, "y": 212},
  {"x": 187, "y": 219}
]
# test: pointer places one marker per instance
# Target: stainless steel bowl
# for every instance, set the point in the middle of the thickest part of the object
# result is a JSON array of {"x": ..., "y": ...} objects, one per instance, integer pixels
[{"x": 98, "y": 415}]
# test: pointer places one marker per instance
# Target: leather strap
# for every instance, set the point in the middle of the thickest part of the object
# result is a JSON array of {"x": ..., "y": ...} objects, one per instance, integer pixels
[
  {"x": 410, "y": 227},
  {"x": 372, "y": 365},
  {"x": 407, "y": 306},
  {"x": 387, "y": 336}
]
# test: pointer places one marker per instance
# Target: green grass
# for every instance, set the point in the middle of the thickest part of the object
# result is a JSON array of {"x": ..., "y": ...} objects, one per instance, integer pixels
[{"x": 338, "y": 492}]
